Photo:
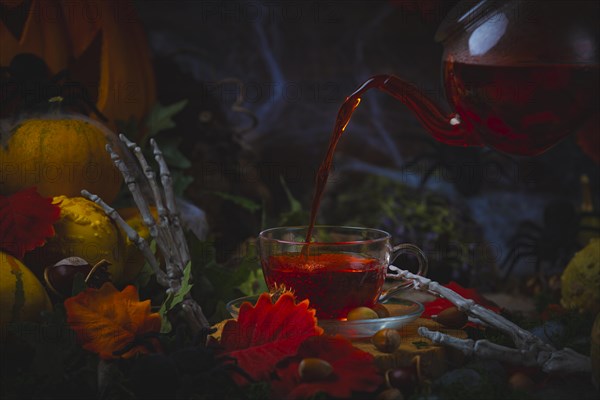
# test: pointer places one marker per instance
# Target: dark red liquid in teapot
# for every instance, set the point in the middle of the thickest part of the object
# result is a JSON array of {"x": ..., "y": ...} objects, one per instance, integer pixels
[
  {"x": 522, "y": 109},
  {"x": 335, "y": 283}
]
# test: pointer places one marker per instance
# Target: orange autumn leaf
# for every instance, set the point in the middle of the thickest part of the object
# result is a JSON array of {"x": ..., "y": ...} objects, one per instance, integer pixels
[
  {"x": 265, "y": 333},
  {"x": 107, "y": 321}
]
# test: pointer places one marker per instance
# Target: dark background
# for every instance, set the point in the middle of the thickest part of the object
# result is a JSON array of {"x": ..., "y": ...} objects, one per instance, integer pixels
[{"x": 294, "y": 63}]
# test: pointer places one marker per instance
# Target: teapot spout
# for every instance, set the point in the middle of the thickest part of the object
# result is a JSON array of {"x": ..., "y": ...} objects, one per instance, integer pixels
[{"x": 448, "y": 129}]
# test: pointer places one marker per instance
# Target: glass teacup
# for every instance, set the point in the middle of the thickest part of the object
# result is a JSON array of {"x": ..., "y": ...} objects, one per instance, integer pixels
[{"x": 340, "y": 269}]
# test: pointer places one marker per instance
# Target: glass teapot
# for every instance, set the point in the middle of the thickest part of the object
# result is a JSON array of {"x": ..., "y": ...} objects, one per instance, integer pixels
[{"x": 520, "y": 75}]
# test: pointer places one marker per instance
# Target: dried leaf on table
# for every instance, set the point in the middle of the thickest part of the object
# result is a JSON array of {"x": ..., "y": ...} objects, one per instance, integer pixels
[
  {"x": 109, "y": 322},
  {"x": 265, "y": 333},
  {"x": 26, "y": 220}
]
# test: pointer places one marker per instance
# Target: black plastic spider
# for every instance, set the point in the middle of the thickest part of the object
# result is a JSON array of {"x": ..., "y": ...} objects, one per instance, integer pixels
[
  {"x": 552, "y": 244},
  {"x": 468, "y": 168},
  {"x": 27, "y": 85}
]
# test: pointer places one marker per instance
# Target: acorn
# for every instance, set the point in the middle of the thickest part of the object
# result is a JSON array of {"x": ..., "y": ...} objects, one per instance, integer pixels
[
  {"x": 452, "y": 318},
  {"x": 381, "y": 310},
  {"x": 314, "y": 369},
  {"x": 390, "y": 394},
  {"x": 404, "y": 379},
  {"x": 59, "y": 277},
  {"x": 359, "y": 313},
  {"x": 520, "y": 381},
  {"x": 386, "y": 340}
]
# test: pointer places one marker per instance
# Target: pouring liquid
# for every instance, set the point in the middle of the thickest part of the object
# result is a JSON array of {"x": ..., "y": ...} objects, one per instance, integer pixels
[{"x": 521, "y": 110}]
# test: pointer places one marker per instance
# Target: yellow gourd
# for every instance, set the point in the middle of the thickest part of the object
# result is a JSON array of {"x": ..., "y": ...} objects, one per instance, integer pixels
[
  {"x": 22, "y": 296},
  {"x": 60, "y": 155},
  {"x": 580, "y": 281},
  {"x": 85, "y": 231}
]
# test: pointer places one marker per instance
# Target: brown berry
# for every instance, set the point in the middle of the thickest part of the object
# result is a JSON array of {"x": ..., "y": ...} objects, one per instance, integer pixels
[
  {"x": 359, "y": 313},
  {"x": 386, "y": 340},
  {"x": 59, "y": 277},
  {"x": 314, "y": 369},
  {"x": 452, "y": 318}
]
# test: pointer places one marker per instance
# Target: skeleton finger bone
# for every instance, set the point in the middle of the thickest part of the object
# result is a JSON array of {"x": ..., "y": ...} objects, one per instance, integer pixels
[
  {"x": 168, "y": 233},
  {"x": 139, "y": 242}
]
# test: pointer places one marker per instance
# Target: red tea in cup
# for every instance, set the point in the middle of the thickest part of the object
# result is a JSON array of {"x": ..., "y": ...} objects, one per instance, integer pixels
[
  {"x": 340, "y": 269},
  {"x": 335, "y": 283}
]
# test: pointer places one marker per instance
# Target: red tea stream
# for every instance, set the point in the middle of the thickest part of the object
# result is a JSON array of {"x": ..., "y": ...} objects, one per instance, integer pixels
[
  {"x": 342, "y": 120},
  {"x": 522, "y": 109}
]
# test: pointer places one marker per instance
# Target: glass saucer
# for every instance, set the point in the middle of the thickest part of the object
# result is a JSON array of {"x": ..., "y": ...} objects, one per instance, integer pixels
[{"x": 402, "y": 311}]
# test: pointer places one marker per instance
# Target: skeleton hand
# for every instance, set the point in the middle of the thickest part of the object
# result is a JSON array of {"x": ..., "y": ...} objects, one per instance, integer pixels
[
  {"x": 167, "y": 231},
  {"x": 530, "y": 350}
]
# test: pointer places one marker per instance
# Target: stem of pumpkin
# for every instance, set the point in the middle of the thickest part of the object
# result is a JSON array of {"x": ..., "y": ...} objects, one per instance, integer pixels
[{"x": 55, "y": 107}]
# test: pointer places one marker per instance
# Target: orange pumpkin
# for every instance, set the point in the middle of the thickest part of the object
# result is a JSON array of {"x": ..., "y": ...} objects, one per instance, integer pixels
[{"x": 101, "y": 43}]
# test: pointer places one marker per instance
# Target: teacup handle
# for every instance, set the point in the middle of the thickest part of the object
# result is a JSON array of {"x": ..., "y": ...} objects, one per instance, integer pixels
[{"x": 405, "y": 284}]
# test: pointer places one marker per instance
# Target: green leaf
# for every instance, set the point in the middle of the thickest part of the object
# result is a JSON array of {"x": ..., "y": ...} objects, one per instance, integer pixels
[
  {"x": 176, "y": 161},
  {"x": 160, "y": 118},
  {"x": 255, "y": 284},
  {"x": 144, "y": 276},
  {"x": 181, "y": 182},
  {"x": 202, "y": 254},
  {"x": 165, "y": 326},
  {"x": 173, "y": 299},
  {"x": 295, "y": 205},
  {"x": 215, "y": 284},
  {"x": 186, "y": 286},
  {"x": 241, "y": 201},
  {"x": 221, "y": 313},
  {"x": 421, "y": 344},
  {"x": 296, "y": 214},
  {"x": 169, "y": 146}
]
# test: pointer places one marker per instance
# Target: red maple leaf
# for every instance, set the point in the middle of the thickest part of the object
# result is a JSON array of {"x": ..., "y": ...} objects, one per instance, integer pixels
[
  {"x": 354, "y": 370},
  {"x": 26, "y": 220},
  {"x": 438, "y": 305},
  {"x": 265, "y": 333}
]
